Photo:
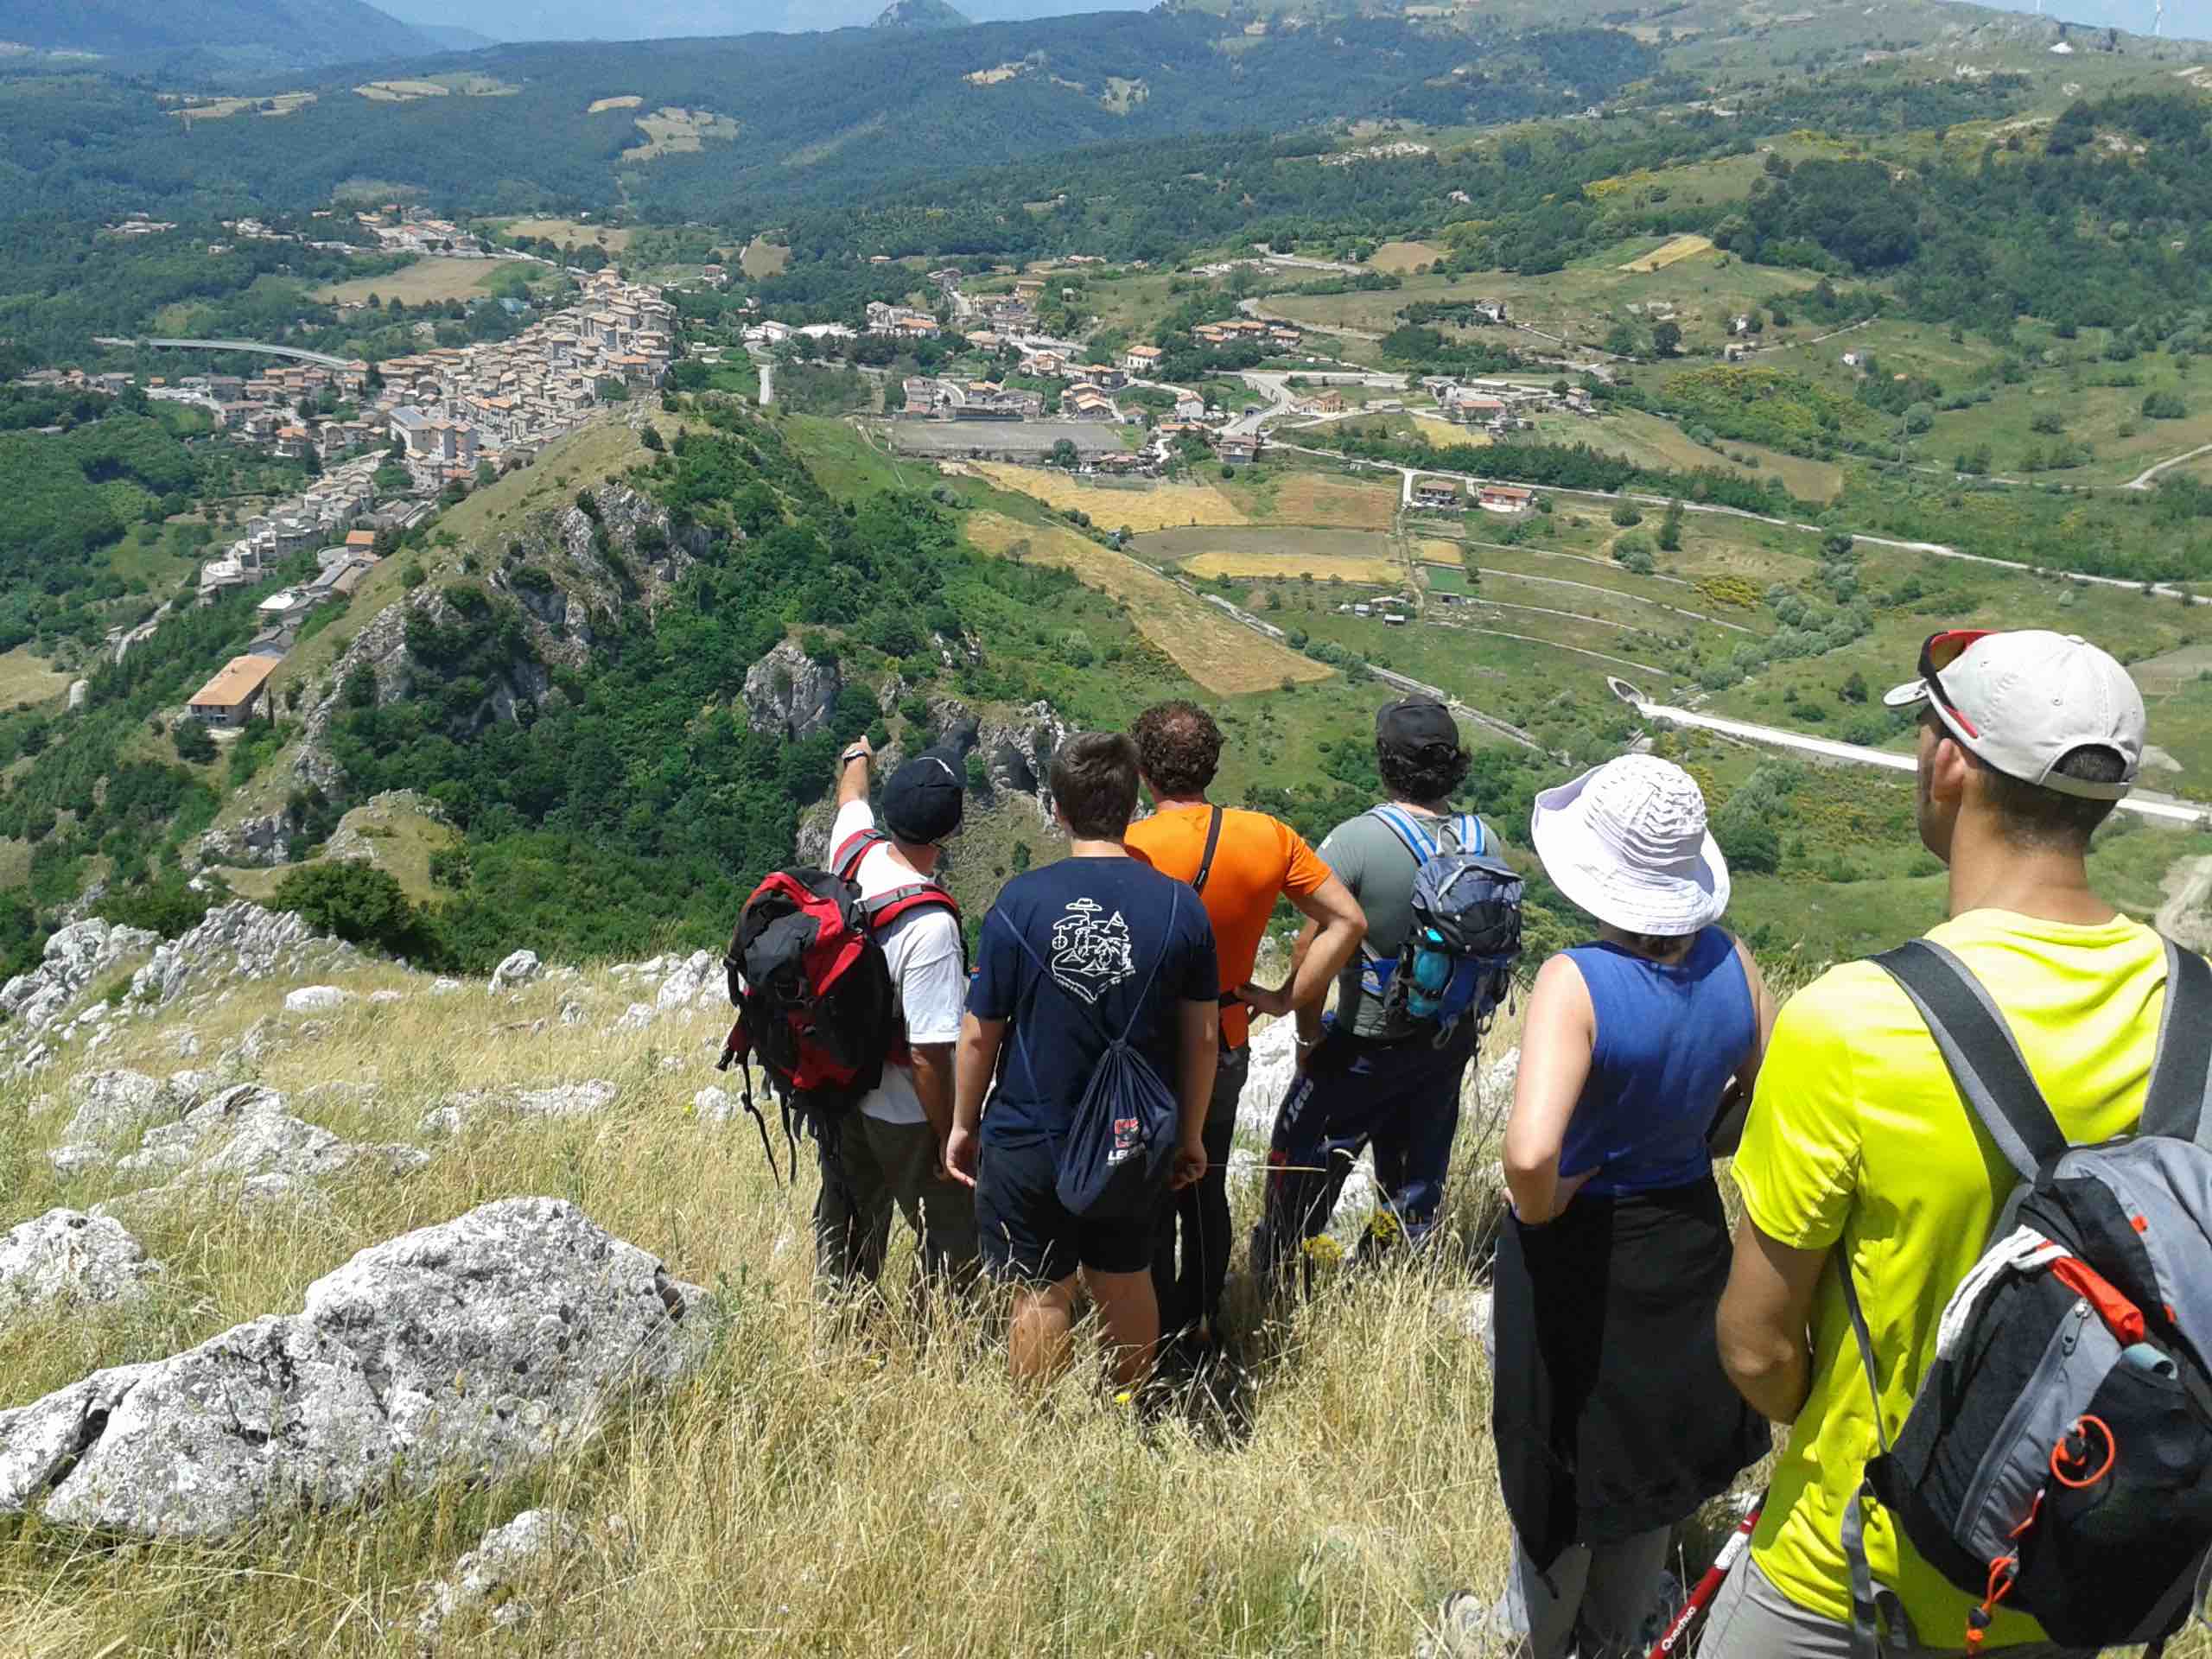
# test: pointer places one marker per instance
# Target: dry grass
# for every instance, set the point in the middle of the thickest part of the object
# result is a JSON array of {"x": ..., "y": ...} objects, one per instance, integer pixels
[
  {"x": 424, "y": 280},
  {"x": 809, "y": 1492},
  {"x": 1318, "y": 565},
  {"x": 1681, "y": 248},
  {"x": 1161, "y": 506},
  {"x": 1339, "y": 503},
  {"x": 1445, "y": 434},
  {"x": 565, "y": 231},
  {"x": 1402, "y": 258},
  {"x": 26, "y": 677},
  {"x": 762, "y": 258},
  {"x": 1207, "y": 645},
  {"x": 402, "y": 92},
  {"x": 222, "y": 108},
  {"x": 678, "y": 132}
]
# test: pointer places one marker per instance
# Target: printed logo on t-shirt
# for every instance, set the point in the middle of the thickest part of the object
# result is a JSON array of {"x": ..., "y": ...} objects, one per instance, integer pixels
[{"x": 1091, "y": 955}]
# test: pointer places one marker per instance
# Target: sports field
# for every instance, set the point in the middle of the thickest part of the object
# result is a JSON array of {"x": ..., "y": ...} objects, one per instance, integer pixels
[
  {"x": 424, "y": 280},
  {"x": 1157, "y": 506},
  {"x": 1205, "y": 642}
]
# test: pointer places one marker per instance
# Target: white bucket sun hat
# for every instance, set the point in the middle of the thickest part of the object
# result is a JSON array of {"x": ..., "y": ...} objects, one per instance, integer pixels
[{"x": 1627, "y": 842}]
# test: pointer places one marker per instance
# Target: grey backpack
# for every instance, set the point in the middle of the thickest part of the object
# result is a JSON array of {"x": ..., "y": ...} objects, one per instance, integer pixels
[{"x": 2057, "y": 1457}]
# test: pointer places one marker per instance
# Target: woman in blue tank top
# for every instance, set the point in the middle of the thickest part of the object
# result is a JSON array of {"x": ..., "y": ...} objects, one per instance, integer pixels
[{"x": 1613, "y": 1419}]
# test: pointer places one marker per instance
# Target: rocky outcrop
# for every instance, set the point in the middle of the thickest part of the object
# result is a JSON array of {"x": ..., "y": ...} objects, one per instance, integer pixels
[
  {"x": 316, "y": 998},
  {"x": 473, "y": 1349},
  {"x": 74, "y": 956},
  {"x": 239, "y": 941},
  {"x": 484, "y": 1582},
  {"x": 1019, "y": 752},
  {"x": 243, "y": 1134},
  {"x": 72, "y": 1258},
  {"x": 556, "y": 1101},
  {"x": 516, "y": 970},
  {"x": 245, "y": 845},
  {"x": 789, "y": 695},
  {"x": 355, "y": 839},
  {"x": 111, "y": 1106}
]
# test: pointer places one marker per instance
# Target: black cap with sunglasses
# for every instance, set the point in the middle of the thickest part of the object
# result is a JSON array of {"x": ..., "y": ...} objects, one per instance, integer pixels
[{"x": 1418, "y": 728}]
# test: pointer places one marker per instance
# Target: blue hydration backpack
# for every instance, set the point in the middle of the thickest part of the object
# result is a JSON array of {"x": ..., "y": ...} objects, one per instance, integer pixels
[
  {"x": 1114, "y": 1164},
  {"x": 1458, "y": 959}
]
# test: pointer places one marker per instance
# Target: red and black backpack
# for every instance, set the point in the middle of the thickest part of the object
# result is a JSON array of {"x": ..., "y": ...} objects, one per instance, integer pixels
[{"x": 816, "y": 1008}]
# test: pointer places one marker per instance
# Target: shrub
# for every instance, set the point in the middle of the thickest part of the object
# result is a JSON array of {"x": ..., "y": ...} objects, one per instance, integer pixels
[
  {"x": 1626, "y": 515},
  {"x": 2164, "y": 406},
  {"x": 194, "y": 744},
  {"x": 359, "y": 903}
]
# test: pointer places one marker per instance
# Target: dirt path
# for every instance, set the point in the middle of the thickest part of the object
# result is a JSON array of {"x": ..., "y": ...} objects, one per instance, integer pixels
[
  {"x": 2148, "y": 475},
  {"x": 2183, "y": 918}
]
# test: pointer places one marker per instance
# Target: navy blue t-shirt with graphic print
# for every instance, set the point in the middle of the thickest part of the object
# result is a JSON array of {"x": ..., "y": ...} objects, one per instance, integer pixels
[{"x": 1095, "y": 928}]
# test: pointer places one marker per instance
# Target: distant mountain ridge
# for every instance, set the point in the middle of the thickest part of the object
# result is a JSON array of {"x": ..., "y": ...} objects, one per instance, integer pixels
[{"x": 236, "y": 33}]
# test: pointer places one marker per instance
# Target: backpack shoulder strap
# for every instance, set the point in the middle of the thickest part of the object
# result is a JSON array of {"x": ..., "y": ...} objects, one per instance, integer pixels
[
  {"x": 1205, "y": 859},
  {"x": 1167, "y": 944},
  {"x": 846, "y": 861},
  {"x": 2181, "y": 1076},
  {"x": 1471, "y": 834},
  {"x": 1985, "y": 1062},
  {"x": 1402, "y": 824},
  {"x": 886, "y": 908}
]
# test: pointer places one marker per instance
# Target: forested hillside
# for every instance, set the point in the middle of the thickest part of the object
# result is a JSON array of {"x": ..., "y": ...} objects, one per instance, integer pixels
[{"x": 816, "y": 115}]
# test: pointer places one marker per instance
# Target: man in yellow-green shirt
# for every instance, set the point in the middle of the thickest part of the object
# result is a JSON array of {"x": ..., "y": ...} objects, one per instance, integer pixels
[{"x": 1858, "y": 1150}]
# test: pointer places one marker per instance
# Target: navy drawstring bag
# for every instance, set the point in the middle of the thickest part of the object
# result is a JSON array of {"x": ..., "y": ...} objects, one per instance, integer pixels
[{"x": 1114, "y": 1164}]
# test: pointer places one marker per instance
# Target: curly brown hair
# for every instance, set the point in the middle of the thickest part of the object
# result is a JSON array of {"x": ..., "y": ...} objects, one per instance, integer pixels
[{"x": 1179, "y": 747}]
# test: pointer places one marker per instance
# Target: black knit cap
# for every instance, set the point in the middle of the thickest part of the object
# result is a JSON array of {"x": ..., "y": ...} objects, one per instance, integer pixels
[
  {"x": 1418, "y": 728},
  {"x": 923, "y": 801}
]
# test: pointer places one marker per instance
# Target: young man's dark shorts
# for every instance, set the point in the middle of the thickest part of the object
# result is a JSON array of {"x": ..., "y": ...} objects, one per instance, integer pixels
[{"x": 1028, "y": 1235}]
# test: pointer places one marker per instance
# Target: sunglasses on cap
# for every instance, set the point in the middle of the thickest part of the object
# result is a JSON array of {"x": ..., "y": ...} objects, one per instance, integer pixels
[{"x": 1937, "y": 653}]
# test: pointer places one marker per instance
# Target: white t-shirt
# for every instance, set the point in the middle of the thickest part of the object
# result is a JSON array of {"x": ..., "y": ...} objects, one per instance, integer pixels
[{"x": 923, "y": 949}]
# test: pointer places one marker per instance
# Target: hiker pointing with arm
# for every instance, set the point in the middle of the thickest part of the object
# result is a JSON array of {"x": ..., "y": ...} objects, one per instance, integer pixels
[
  {"x": 890, "y": 1153},
  {"x": 1613, "y": 1419},
  {"x": 1240, "y": 863},
  {"x": 1093, "y": 1026}
]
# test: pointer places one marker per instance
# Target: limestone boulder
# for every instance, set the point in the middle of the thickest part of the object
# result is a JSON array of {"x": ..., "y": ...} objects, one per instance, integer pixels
[
  {"x": 67, "y": 1256},
  {"x": 515, "y": 970},
  {"x": 475, "y": 1349}
]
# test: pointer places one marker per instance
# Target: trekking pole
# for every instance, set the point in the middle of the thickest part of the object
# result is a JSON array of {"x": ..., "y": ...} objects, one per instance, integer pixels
[{"x": 1709, "y": 1585}]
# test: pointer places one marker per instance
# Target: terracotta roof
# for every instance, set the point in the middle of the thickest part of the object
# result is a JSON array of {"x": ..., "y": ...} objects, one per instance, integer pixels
[{"x": 235, "y": 686}]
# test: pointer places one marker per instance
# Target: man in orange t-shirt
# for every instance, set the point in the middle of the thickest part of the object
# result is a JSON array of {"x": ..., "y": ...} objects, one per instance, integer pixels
[{"x": 1253, "y": 859}]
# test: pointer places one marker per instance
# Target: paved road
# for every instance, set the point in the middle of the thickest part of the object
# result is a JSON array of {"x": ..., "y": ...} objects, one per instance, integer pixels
[
  {"x": 2144, "y": 480},
  {"x": 292, "y": 351},
  {"x": 1828, "y": 748}
]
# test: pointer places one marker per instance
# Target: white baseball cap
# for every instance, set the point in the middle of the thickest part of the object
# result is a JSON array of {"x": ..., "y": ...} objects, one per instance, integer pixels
[
  {"x": 1627, "y": 842},
  {"x": 2023, "y": 700}
]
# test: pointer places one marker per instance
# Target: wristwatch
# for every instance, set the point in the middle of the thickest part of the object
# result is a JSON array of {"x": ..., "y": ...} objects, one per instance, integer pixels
[{"x": 856, "y": 753}]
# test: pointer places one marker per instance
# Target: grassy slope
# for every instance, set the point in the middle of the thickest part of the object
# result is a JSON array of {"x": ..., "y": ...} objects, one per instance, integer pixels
[{"x": 760, "y": 1493}]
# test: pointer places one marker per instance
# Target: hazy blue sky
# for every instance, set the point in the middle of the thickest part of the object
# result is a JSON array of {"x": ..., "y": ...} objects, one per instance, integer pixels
[
  {"x": 636, "y": 20},
  {"x": 541, "y": 20}
]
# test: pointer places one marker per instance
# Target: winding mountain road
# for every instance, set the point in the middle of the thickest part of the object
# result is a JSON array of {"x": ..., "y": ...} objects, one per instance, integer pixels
[{"x": 1828, "y": 748}]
